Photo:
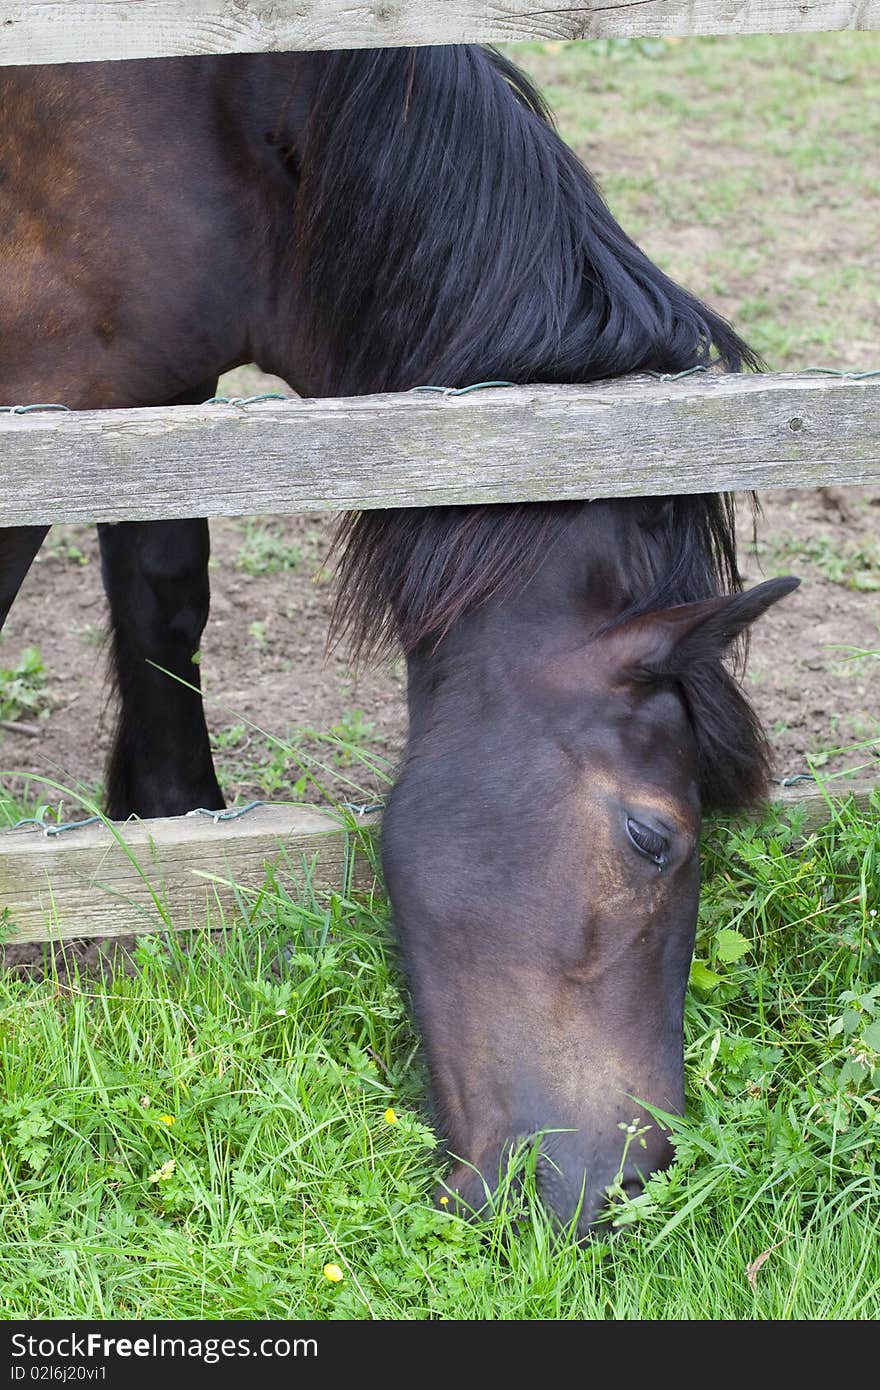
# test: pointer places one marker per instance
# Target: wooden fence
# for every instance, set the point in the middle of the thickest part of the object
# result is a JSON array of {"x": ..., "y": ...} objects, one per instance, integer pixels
[
  {"x": 614, "y": 439},
  {"x": 70, "y": 31},
  {"x": 624, "y": 438}
]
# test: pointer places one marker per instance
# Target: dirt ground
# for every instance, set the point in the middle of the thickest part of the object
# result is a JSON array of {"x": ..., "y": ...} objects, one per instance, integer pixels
[{"x": 268, "y": 677}]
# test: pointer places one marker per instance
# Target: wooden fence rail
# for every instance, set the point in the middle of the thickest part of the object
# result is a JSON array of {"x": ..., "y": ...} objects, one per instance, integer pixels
[
  {"x": 623, "y": 438},
  {"x": 40, "y": 31},
  {"x": 172, "y": 872},
  {"x": 186, "y": 872}
]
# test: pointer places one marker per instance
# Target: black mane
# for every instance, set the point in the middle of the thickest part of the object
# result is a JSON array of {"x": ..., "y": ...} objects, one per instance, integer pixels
[
  {"x": 407, "y": 576},
  {"x": 449, "y": 236}
]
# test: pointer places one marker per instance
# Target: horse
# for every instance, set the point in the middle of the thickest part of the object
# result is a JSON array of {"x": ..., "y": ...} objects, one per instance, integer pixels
[{"x": 374, "y": 221}]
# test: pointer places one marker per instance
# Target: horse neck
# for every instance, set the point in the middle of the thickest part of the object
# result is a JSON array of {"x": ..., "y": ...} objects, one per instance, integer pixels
[{"x": 264, "y": 100}]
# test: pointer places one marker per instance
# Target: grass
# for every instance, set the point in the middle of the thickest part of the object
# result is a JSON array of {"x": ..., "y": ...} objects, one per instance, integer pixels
[
  {"x": 264, "y": 550},
  {"x": 747, "y": 167},
  {"x": 199, "y": 1135},
  {"x": 851, "y": 565},
  {"x": 23, "y": 686},
  {"x": 65, "y": 544},
  {"x": 327, "y": 762}
]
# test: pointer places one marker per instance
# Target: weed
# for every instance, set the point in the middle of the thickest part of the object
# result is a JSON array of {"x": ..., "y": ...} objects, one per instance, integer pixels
[
  {"x": 62, "y": 544},
  {"x": 23, "y": 686},
  {"x": 265, "y": 550},
  {"x": 258, "y": 633},
  {"x": 851, "y": 565}
]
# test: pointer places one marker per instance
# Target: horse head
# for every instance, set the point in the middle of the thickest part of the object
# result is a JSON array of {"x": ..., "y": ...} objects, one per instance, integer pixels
[{"x": 541, "y": 853}]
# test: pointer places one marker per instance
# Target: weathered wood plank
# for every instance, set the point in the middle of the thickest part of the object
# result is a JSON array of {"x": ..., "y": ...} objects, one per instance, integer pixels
[
  {"x": 39, "y": 31},
  {"x": 154, "y": 875},
  {"x": 178, "y": 873},
  {"x": 622, "y": 438},
  {"x": 817, "y": 803}
]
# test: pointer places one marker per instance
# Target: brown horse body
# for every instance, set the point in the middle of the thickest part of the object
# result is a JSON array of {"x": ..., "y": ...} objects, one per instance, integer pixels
[
  {"x": 141, "y": 209},
  {"x": 359, "y": 222}
]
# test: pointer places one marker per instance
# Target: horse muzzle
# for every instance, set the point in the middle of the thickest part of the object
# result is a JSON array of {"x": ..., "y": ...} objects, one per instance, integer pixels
[{"x": 576, "y": 1180}]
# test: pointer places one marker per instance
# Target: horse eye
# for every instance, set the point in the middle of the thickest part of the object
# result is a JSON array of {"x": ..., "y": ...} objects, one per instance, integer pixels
[{"x": 647, "y": 841}]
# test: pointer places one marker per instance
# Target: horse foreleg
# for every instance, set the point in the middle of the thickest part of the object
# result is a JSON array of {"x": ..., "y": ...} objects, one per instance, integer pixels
[
  {"x": 156, "y": 578},
  {"x": 18, "y": 546}
]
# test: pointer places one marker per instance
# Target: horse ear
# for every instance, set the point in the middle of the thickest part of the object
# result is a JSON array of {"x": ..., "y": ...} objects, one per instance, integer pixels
[{"x": 671, "y": 641}]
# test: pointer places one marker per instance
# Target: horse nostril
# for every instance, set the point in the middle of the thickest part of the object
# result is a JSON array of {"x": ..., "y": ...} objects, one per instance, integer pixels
[
  {"x": 578, "y": 1192},
  {"x": 611, "y": 1218},
  {"x": 568, "y": 1194},
  {"x": 632, "y": 1188}
]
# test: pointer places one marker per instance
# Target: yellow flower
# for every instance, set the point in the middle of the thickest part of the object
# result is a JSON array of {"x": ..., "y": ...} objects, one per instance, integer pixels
[
  {"x": 334, "y": 1274},
  {"x": 390, "y": 1116},
  {"x": 166, "y": 1119},
  {"x": 444, "y": 1201}
]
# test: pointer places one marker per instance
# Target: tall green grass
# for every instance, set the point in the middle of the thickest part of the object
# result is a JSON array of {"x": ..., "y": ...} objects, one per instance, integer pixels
[{"x": 200, "y": 1133}]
